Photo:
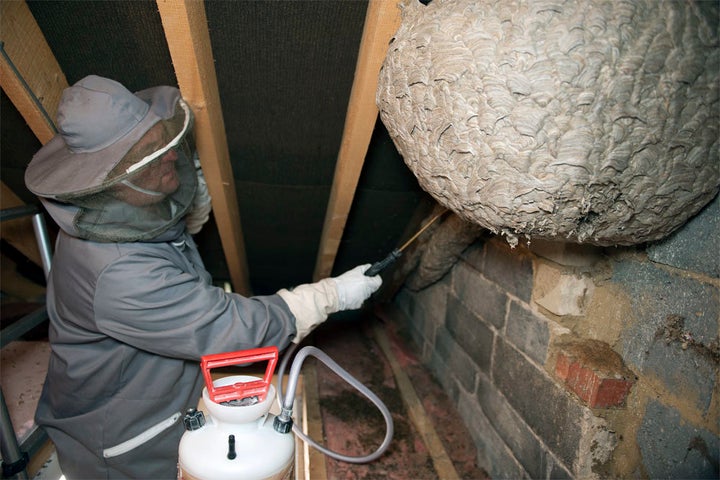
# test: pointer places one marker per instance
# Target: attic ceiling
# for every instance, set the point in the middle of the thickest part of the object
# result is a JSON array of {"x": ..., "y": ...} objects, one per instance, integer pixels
[{"x": 285, "y": 72}]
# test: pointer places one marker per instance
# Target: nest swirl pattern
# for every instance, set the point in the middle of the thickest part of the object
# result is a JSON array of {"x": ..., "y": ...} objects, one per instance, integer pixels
[{"x": 585, "y": 121}]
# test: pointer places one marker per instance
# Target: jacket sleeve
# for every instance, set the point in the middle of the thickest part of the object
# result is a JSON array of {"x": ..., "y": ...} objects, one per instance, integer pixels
[{"x": 153, "y": 304}]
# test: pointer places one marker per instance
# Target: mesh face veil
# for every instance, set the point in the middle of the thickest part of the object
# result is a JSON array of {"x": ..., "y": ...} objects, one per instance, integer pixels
[{"x": 149, "y": 190}]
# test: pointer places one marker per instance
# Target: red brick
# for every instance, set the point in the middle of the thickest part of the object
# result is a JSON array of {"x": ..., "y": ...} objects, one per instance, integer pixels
[
  {"x": 612, "y": 392},
  {"x": 594, "y": 372},
  {"x": 562, "y": 367}
]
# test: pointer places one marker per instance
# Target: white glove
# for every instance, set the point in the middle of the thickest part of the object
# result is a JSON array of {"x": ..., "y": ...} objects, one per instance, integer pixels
[
  {"x": 313, "y": 302},
  {"x": 310, "y": 304},
  {"x": 354, "y": 287},
  {"x": 200, "y": 211}
]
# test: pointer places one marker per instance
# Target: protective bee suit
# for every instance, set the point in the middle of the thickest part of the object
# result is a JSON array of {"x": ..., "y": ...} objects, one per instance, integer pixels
[{"x": 131, "y": 306}]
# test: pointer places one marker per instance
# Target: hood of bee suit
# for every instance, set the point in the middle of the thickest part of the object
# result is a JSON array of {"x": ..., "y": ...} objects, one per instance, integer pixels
[{"x": 82, "y": 173}]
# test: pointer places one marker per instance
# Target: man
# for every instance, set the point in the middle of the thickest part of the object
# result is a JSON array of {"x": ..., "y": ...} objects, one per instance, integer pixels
[{"x": 131, "y": 306}]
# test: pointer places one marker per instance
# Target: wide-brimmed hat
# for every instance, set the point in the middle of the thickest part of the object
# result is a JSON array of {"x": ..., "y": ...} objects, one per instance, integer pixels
[{"x": 99, "y": 121}]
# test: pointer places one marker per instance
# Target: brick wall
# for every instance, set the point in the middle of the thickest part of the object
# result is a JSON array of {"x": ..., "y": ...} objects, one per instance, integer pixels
[{"x": 571, "y": 361}]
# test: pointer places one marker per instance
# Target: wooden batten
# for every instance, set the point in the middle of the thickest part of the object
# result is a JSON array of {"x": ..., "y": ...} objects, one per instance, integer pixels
[
  {"x": 381, "y": 22},
  {"x": 188, "y": 40},
  {"x": 419, "y": 417}
]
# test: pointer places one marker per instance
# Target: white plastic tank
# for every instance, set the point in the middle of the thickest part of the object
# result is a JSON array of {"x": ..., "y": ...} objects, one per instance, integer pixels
[{"x": 259, "y": 452}]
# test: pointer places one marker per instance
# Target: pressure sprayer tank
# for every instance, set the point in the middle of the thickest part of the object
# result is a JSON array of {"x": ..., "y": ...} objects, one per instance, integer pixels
[{"x": 237, "y": 439}]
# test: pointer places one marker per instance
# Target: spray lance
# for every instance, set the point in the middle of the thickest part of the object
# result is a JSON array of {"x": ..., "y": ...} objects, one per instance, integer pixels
[{"x": 378, "y": 267}]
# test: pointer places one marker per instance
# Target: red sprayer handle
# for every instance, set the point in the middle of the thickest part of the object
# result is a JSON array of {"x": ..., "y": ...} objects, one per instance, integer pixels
[{"x": 239, "y": 390}]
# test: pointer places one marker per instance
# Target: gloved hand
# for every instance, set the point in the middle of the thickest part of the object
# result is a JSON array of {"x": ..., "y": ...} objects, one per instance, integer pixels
[
  {"x": 200, "y": 211},
  {"x": 313, "y": 302},
  {"x": 354, "y": 287}
]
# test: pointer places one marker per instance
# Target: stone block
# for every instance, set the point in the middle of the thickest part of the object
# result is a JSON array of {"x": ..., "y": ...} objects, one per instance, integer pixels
[
  {"x": 425, "y": 323},
  {"x": 534, "y": 457},
  {"x": 411, "y": 316},
  {"x": 511, "y": 269},
  {"x": 470, "y": 333},
  {"x": 568, "y": 254},
  {"x": 597, "y": 447},
  {"x": 439, "y": 367},
  {"x": 561, "y": 291},
  {"x": 594, "y": 372},
  {"x": 528, "y": 331},
  {"x": 669, "y": 307},
  {"x": 533, "y": 395},
  {"x": 460, "y": 365},
  {"x": 420, "y": 337},
  {"x": 433, "y": 299},
  {"x": 474, "y": 255},
  {"x": 420, "y": 323},
  {"x": 482, "y": 297},
  {"x": 673, "y": 448},
  {"x": 695, "y": 246},
  {"x": 493, "y": 455},
  {"x": 405, "y": 301},
  {"x": 428, "y": 308}
]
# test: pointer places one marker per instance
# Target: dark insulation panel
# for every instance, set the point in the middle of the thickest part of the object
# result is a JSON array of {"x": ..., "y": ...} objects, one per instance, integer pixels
[
  {"x": 122, "y": 40},
  {"x": 285, "y": 71}
]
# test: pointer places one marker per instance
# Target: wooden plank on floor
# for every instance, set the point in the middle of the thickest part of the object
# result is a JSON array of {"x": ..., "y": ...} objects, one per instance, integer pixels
[
  {"x": 312, "y": 425},
  {"x": 441, "y": 461}
]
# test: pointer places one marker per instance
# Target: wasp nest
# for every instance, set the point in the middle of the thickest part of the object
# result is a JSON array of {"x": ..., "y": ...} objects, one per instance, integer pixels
[{"x": 585, "y": 121}]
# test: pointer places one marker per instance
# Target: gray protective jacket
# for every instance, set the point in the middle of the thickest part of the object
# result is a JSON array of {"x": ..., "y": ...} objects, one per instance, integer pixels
[{"x": 128, "y": 325}]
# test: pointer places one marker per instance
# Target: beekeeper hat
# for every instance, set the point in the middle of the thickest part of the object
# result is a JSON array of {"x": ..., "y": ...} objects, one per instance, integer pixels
[{"x": 99, "y": 121}]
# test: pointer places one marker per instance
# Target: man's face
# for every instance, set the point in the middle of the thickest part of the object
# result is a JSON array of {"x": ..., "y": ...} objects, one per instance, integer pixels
[{"x": 160, "y": 178}]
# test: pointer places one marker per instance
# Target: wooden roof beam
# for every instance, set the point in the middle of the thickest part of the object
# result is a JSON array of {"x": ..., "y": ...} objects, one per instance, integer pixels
[
  {"x": 188, "y": 40},
  {"x": 32, "y": 79},
  {"x": 30, "y": 75},
  {"x": 381, "y": 22}
]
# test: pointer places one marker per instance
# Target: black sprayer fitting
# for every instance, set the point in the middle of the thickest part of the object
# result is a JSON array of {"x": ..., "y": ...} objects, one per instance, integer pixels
[
  {"x": 194, "y": 419},
  {"x": 283, "y": 423}
]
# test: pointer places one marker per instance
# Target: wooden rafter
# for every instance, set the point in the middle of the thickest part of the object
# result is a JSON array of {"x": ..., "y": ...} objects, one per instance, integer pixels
[
  {"x": 381, "y": 22},
  {"x": 32, "y": 79},
  {"x": 188, "y": 40},
  {"x": 29, "y": 73}
]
